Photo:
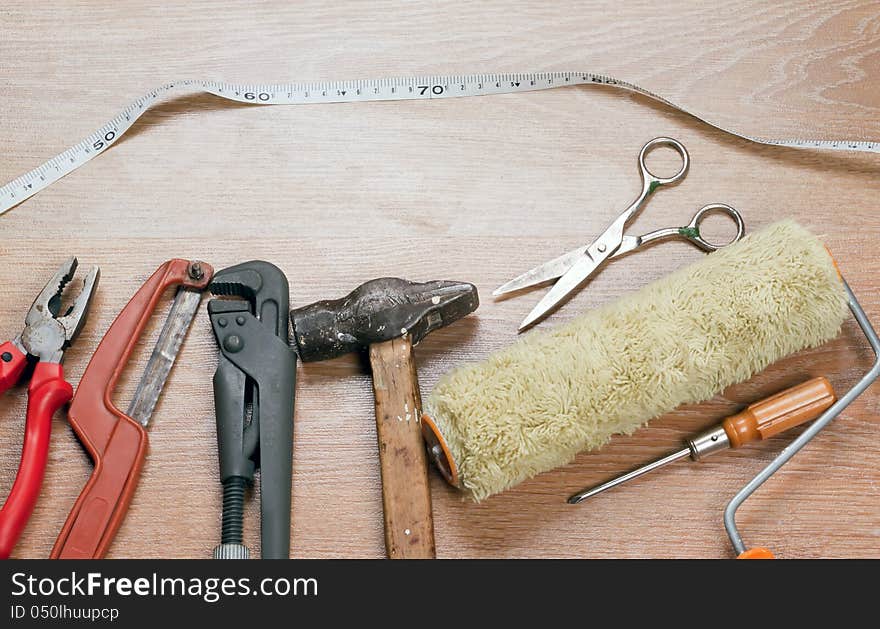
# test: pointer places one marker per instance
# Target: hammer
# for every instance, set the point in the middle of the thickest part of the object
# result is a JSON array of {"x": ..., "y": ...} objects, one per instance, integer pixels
[{"x": 389, "y": 316}]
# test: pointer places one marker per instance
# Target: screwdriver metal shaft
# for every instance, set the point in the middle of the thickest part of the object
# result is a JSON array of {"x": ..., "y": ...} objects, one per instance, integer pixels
[
  {"x": 650, "y": 467},
  {"x": 761, "y": 420}
]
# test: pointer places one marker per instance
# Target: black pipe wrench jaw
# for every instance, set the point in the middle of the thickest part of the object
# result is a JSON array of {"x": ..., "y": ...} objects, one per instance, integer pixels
[{"x": 254, "y": 396}]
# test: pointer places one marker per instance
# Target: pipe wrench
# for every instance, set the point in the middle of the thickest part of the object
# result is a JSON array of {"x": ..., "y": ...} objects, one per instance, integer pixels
[{"x": 254, "y": 399}]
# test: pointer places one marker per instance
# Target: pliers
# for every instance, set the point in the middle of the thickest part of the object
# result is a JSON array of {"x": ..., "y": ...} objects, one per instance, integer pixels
[{"x": 37, "y": 353}]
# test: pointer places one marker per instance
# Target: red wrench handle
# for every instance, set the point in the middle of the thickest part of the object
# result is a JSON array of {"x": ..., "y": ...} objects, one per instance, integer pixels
[
  {"x": 48, "y": 391},
  {"x": 116, "y": 443}
]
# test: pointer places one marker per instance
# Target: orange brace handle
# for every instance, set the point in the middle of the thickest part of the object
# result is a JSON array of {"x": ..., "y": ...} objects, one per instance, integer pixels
[{"x": 116, "y": 443}]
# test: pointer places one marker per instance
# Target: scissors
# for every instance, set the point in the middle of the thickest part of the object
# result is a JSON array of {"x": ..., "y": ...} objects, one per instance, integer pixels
[{"x": 575, "y": 267}]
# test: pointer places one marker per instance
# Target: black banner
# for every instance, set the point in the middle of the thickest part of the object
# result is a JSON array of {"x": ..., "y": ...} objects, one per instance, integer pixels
[{"x": 131, "y": 593}]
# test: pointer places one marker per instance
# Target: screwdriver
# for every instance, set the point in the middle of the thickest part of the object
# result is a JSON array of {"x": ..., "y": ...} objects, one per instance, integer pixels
[{"x": 761, "y": 420}]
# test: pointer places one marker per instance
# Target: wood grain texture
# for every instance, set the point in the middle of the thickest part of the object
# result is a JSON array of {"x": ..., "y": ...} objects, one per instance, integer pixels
[{"x": 467, "y": 189}]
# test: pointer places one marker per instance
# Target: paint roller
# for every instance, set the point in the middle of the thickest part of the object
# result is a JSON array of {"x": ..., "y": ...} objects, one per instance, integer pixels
[{"x": 533, "y": 406}]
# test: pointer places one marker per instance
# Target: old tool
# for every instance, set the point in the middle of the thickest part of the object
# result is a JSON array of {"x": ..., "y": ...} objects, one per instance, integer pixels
[
  {"x": 578, "y": 265},
  {"x": 117, "y": 441},
  {"x": 759, "y": 421},
  {"x": 390, "y": 316},
  {"x": 253, "y": 397},
  {"x": 36, "y": 354},
  {"x": 533, "y": 406}
]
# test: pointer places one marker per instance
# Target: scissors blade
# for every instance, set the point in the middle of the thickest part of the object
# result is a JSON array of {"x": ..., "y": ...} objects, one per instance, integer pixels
[
  {"x": 543, "y": 272},
  {"x": 567, "y": 284}
]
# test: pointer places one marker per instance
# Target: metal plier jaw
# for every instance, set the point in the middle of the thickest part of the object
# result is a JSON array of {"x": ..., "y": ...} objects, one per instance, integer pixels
[
  {"x": 40, "y": 345},
  {"x": 46, "y": 334}
]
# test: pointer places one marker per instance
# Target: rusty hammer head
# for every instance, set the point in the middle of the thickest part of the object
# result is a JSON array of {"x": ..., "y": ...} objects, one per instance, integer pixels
[{"x": 377, "y": 311}]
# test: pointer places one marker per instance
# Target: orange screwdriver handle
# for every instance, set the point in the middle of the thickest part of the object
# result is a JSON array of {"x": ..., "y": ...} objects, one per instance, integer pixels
[
  {"x": 778, "y": 413},
  {"x": 116, "y": 442}
]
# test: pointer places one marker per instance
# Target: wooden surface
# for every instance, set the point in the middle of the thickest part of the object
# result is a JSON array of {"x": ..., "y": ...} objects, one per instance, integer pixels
[{"x": 465, "y": 189}]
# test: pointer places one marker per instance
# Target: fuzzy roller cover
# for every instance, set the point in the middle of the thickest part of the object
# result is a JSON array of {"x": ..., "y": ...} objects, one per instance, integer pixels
[{"x": 533, "y": 406}]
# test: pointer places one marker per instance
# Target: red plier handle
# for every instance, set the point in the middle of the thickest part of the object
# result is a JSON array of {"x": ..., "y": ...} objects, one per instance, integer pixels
[{"x": 47, "y": 392}]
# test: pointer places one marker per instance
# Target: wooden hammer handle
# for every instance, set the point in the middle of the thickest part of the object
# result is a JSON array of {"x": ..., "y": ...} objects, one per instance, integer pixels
[{"x": 406, "y": 494}]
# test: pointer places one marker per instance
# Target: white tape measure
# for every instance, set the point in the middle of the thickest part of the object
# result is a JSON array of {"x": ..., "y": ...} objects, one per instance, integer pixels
[{"x": 44, "y": 175}]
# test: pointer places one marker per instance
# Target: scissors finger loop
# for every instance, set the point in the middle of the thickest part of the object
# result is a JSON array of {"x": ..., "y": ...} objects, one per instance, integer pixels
[
  {"x": 692, "y": 231},
  {"x": 652, "y": 180}
]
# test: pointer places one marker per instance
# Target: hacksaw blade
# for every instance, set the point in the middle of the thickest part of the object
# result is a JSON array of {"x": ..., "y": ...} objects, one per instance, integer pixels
[{"x": 183, "y": 309}]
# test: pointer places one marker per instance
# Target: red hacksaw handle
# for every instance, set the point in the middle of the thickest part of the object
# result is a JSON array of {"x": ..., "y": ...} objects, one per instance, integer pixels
[
  {"x": 116, "y": 443},
  {"x": 47, "y": 392},
  {"x": 101, "y": 507}
]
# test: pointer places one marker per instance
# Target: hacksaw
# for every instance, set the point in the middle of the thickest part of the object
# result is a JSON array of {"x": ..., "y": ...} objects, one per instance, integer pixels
[
  {"x": 116, "y": 441},
  {"x": 363, "y": 90}
]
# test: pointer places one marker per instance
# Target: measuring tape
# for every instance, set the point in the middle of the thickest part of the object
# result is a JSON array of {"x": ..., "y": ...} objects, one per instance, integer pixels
[{"x": 421, "y": 88}]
